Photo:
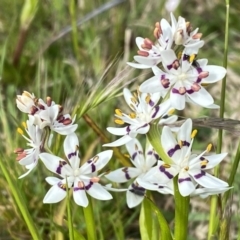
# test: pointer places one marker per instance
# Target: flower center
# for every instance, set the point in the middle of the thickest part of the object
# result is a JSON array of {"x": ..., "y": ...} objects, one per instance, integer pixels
[{"x": 182, "y": 77}]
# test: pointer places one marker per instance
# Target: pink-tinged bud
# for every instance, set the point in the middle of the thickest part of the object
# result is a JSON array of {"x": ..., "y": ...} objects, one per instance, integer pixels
[
  {"x": 67, "y": 121},
  {"x": 95, "y": 179},
  {"x": 195, "y": 87},
  {"x": 203, "y": 75},
  {"x": 157, "y": 31},
  {"x": 81, "y": 184},
  {"x": 197, "y": 36},
  {"x": 182, "y": 90},
  {"x": 49, "y": 101},
  {"x": 143, "y": 53},
  {"x": 147, "y": 44},
  {"x": 21, "y": 156},
  {"x": 165, "y": 83},
  {"x": 33, "y": 110},
  {"x": 175, "y": 64},
  {"x": 18, "y": 150}
]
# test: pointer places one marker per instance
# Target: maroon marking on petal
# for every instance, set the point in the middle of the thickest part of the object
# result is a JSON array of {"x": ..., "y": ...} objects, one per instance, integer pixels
[
  {"x": 185, "y": 143},
  {"x": 163, "y": 170},
  {"x": 92, "y": 165},
  {"x": 199, "y": 175},
  {"x": 151, "y": 103},
  {"x": 62, "y": 186},
  {"x": 156, "y": 108},
  {"x": 190, "y": 91},
  {"x": 143, "y": 126},
  {"x": 202, "y": 158},
  {"x": 199, "y": 70},
  {"x": 87, "y": 187},
  {"x": 72, "y": 155},
  {"x": 185, "y": 57},
  {"x": 59, "y": 168},
  {"x": 163, "y": 77},
  {"x": 188, "y": 179},
  {"x": 127, "y": 176},
  {"x": 136, "y": 189},
  {"x": 128, "y": 129},
  {"x": 134, "y": 155},
  {"x": 173, "y": 150}
]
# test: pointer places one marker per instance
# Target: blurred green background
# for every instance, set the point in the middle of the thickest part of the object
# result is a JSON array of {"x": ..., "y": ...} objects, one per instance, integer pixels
[{"x": 38, "y": 55}]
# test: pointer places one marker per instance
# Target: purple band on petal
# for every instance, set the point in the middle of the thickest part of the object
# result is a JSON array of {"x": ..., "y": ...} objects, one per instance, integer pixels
[
  {"x": 151, "y": 103},
  {"x": 72, "y": 155},
  {"x": 134, "y": 155},
  {"x": 92, "y": 165},
  {"x": 199, "y": 175},
  {"x": 128, "y": 129},
  {"x": 156, "y": 111},
  {"x": 127, "y": 176},
  {"x": 188, "y": 179},
  {"x": 185, "y": 143},
  {"x": 173, "y": 150},
  {"x": 199, "y": 70},
  {"x": 198, "y": 80},
  {"x": 87, "y": 187},
  {"x": 163, "y": 170},
  {"x": 202, "y": 158},
  {"x": 185, "y": 57},
  {"x": 190, "y": 91},
  {"x": 143, "y": 126},
  {"x": 136, "y": 189},
  {"x": 163, "y": 76},
  {"x": 59, "y": 168}
]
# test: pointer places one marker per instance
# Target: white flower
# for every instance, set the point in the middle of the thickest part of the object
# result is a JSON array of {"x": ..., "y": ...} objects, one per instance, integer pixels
[
  {"x": 189, "y": 167},
  {"x": 205, "y": 192},
  {"x": 26, "y": 102},
  {"x": 184, "y": 78},
  {"x": 142, "y": 165},
  {"x": 144, "y": 110},
  {"x": 29, "y": 157},
  {"x": 82, "y": 179},
  {"x": 180, "y": 33}
]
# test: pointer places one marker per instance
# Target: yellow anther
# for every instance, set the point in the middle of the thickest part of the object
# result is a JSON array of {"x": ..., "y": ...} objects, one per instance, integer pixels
[
  {"x": 95, "y": 158},
  {"x": 24, "y": 125},
  {"x": 209, "y": 147},
  {"x": 171, "y": 111},
  {"x": 132, "y": 115},
  {"x": 19, "y": 130},
  {"x": 63, "y": 186},
  {"x": 134, "y": 100},
  {"x": 186, "y": 168},
  {"x": 118, "y": 112},
  {"x": 135, "y": 95},
  {"x": 204, "y": 163},
  {"x": 204, "y": 84},
  {"x": 138, "y": 91},
  {"x": 148, "y": 98},
  {"x": 192, "y": 57},
  {"x": 179, "y": 55},
  {"x": 165, "y": 165},
  {"x": 119, "y": 121},
  {"x": 127, "y": 155},
  {"x": 132, "y": 106},
  {"x": 194, "y": 133},
  {"x": 180, "y": 143}
]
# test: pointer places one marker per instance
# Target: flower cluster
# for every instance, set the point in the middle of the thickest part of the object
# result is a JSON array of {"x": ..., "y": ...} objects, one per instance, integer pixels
[{"x": 178, "y": 78}]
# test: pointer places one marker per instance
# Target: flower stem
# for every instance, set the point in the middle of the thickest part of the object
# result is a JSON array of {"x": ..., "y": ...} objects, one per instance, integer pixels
[
  {"x": 212, "y": 217},
  {"x": 89, "y": 220},
  {"x": 70, "y": 223},
  {"x": 154, "y": 138},
  {"x": 181, "y": 213},
  {"x": 19, "y": 201}
]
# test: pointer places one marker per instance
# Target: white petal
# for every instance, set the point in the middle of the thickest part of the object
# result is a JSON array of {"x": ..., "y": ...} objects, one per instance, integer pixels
[
  {"x": 65, "y": 130},
  {"x": 32, "y": 166},
  {"x": 152, "y": 85},
  {"x": 205, "y": 192},
  {"x": 133, "y": 199},
  {"x": 80, "y": 197},
  {"x": 117, "y": 131},
  {"x": 121, "y": 141},
  {"x": 52, "y": 180},
  {"x": 216, "y": 73},
  {"x": 123, "y": 174},
  {"x": 54, "y": 195},
  {"x": 185, "y": 184},
  {"x": 214, "y": 159},
  {"x": 97, "y": 191},
  {"x": 138, "y": 65}
]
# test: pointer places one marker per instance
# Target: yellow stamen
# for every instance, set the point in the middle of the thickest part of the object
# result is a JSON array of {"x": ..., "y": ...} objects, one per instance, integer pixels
[
  {"x": 179, "y": 55},
  {"x": 204, "y": 163},
  {"x": 171, "y": 111},
  {"x": 186, "y": 168},
  {"x": 209, "y": 147},
  {"x": 148, "y": 98},
  {"x": 127, "y": 155},
  {"x": 192, "y": 57},
  {"x": 24, "y": 125},
  {"x": 95, "y": 158},
  {"x": 180, "y": 143},
  {"x": 19, "y": 130},
  {"x": 204, "y": 84},
  {"x": 165, "y": 165},
  {"x": 119, "y": 121},
  {"x": 194, "y": 133},
  {"x": 118, "y": 112},
  {"x": 132, "y": 115},
  {"x": 134, "y": 100},
  {"x": 135, "y": 95}
]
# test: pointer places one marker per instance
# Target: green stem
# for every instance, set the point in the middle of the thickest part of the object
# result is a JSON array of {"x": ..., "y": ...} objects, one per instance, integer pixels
[
  {"x": 181, "y": 213},
  {"x": 70, "y": 223},
  {"x": 212, "y": 217},
  {"x": 20, "y": 203},
  {"x": 165, "y": 232},
  {"x": 154, "y": 137},
  {"x": 232, "y": 174},
  {"x": 89, "y": 220}
]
